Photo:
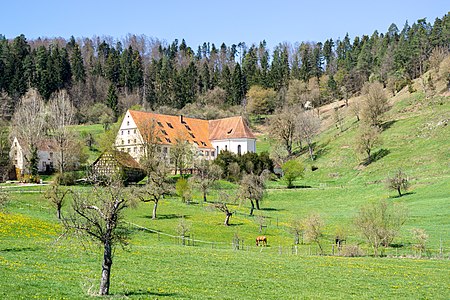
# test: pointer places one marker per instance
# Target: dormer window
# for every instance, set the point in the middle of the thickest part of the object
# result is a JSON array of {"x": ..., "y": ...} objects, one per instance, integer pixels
[
  {"x": 203, "y": 143},
  {"x": 229, "y": 131},
  {"x": 168, "y": 140},
  {"x": 160, "y": 124},
  {"x": 164, "y": 132},
  {"x": 192, "y": 135},
  {"x": 187, "y": 127},
  {"x": 170, "y": 125}
]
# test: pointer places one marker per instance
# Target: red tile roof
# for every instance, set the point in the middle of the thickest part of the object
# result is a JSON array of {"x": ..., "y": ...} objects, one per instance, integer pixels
[{"x": 195, "y": 131}]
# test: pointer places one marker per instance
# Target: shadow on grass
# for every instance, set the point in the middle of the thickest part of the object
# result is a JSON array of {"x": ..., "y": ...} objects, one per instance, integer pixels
[
  {"x": 376, "y": 156},
  {"x": 146, "y": 294},
  {"x": 19, "y": 249},
  {"x": 404, "y": 194},
  {"x": 168, "y": 217},
  {"x": 233, "y": 224},
  {"x": 388, "y": 124},
  {"x": 271, "y": 209},
  {"x": 299, "y": 187}
]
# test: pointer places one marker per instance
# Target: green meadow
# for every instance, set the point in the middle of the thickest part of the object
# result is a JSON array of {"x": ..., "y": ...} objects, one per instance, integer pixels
[{"x": 36, "y": 263}]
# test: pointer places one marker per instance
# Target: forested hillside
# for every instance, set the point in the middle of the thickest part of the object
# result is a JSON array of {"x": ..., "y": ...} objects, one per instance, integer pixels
[{"x": 138, "y": 70}]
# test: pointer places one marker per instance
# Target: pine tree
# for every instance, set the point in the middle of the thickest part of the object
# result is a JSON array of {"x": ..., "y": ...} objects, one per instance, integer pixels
[
  {"x": 112, "y": 100},
  {"x": 77, "y": 65}
]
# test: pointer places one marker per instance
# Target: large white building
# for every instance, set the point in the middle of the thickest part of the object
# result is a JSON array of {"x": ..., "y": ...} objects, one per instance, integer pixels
[
  {"x": 208, "y": 137},
  {"x": 46, "y": 150}
]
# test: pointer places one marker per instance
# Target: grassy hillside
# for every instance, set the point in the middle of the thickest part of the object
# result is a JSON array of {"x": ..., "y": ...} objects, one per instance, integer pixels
[{"x": 155, "y": 265}]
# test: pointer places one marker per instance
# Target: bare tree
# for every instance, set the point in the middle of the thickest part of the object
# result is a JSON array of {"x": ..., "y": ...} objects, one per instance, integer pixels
[
  {"x": 182, "y": 154},
  {"x": 207, "y": 174},
  {"x": 398, "y": 182},
  {"x": 98, "y": 215},
  {"x": 252, "y": 188},
  {"x": 367, "y": 138},
  {"x": 4, "y": 199},
  {"x": 28, "y": 126},
  {"x": 308, "y": 127},
  {"x": 149, "y": 134},
  {"x": 56, "y": 195},
  {"x": 296, "y": 227},
  {"x": 223, "y": 208},
  {"x": 61, "y": 114},
  {"x": 313, "y": 229},
  {"x": 420, "y": 238},
  {"x": 375, "y": 103},
  {"x": 283, "y": 126},
  {"x": 380, "y": 223},
  {"x": 157, "y": 185}
]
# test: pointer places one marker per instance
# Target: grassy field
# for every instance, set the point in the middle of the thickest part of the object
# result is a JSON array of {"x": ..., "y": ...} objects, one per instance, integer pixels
[{"x": 155, "y": 265}]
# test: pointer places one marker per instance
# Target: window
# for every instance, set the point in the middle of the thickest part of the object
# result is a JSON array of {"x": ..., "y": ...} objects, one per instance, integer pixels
[
  {"x": 134, "y": 131},
  {"x": 203, "y": 143},
  {"x": 169, "y": 124},
  {"x": 128, "y": 132},
  {"x": 128, "y": 123},
  {"x": 165, "y": 150},
  {"x": 158, "y": 139},
  {"x": 160, "y": 124},
  {"x": 135, "y": 141},
  {"x": 226, "y": 147},
  {"x": 134, "y": 149},
  {"x": 123, "y": 142},
  {"x": 217, "y": 149},
  {"x": 51, "y": 155},
  {"x": 239, "y": 149},
  {"x": 187, "y": 127},
  {"x": 168, "y": 140},
  {"x": 206, "y": 153},
  {"x": 164, "y": 132},
  {"x": 192, "y": 135},
  {"x": 129, "y": 142},
  {"x": 195, "y": 142},
  {"x": 213, "y": 153},
  {"x": 229, "y": 131},
  {"x": 121, "y": 132},
  {"x": 44, "y": 164}
]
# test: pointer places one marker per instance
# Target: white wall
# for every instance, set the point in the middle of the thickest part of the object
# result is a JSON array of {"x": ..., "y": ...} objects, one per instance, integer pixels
[{"x": 247, "y": 145}]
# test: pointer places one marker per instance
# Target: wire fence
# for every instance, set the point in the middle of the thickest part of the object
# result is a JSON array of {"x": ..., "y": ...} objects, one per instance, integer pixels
[{"x": 239, "y": 244}]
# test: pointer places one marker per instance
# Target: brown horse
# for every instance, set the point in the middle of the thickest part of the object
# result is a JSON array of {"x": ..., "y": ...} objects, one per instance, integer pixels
[{"x": 261, "y": 240}]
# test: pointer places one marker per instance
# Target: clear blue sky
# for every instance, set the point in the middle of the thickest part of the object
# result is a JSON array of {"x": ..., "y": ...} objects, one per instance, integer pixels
[{"x": 213, "y": 21}]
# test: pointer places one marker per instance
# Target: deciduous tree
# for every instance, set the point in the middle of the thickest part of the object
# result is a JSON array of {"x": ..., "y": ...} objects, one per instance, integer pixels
[
  {"x": 207, "y": 174},
  {"x": 367, "y": 138},
  {"x": 98, "y": 215},
  {"x": 375, "y": 103},
  {"x": 252, "y": 188},
  {"x": 292, "y": 169},
  {"x": 313, "y": 229},
  {"x": 398, "y": 182},
  {"x": 380, "y": 222}
]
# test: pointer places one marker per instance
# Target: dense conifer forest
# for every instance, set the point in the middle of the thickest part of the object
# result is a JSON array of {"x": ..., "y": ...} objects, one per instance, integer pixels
[{"x": 101, "y": 72}]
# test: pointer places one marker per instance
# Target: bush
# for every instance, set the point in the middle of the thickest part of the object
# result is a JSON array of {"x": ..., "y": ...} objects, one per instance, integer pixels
[
  {"x": 67, "y": 178},
  {"x": 249, "y": 163},
  {"x": 351, "y": 251},
  {"x": 292, "y": 169}
]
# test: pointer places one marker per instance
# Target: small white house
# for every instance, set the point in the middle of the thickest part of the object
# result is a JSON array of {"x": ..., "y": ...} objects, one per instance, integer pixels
[
  {"x": 46, "y": 150},
  {"x": 207, "y": 137}
]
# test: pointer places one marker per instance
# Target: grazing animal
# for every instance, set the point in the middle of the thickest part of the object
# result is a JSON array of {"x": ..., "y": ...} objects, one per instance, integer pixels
[{"x": 261, "y": 240}]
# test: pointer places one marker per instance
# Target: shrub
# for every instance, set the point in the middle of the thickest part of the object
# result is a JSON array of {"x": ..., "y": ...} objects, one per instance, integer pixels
[
  {"x": 292, "y": 169},
  {"x": 351, "y": 251},
  {"x": 67, "y": 178}
]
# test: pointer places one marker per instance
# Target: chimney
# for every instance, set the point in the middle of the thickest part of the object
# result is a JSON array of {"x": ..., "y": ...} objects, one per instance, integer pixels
[{"x": 182, "y": 120}]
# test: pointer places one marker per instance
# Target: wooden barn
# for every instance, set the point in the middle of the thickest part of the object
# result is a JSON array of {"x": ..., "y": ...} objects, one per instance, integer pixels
[{"x": 113, "y": 163}]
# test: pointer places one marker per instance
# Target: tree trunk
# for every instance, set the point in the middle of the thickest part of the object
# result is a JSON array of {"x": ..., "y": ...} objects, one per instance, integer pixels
[
  {"x": 106, "y": 268},
  {"x": 58, "y": 213},
  {"x": 399, "y": 191},
  {"x": 257, "y": 205},
  {"x": 310, "y": 151},
  {"x": 227, "y": 219},
  {"x": 204, "y": 196},
  {"x": 252, "y": 208},
  {"x": 155, "y": 206}
]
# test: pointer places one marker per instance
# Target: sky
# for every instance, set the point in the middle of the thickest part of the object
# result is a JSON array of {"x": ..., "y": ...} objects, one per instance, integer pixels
[{"x": 228, "y": 21}]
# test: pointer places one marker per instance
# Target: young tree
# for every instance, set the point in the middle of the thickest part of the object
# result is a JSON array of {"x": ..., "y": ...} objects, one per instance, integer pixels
[
  {"x": 252, "y": 188},
  {"x": 61, "y": 114},
  {"x": 297, "y": 229},
  {"x": 420, "y": 238},
  {"x": 157, "y": 183},
  {"x": 98, "y": 215},
  {"x": 367, "y": 138},
  {"x": 260, "y": 100},
  {"x": 380, "y": 222},
  {"x": 308, "y": 127},
  {"x": 313, "y": 229},
  {"x": 183, "y": 189},
  {"x": 207, "y": 174},
  {"x": 292, "y": 169},
  {"x": 375, "y": 103},
  {"x": 398, "y": 182},
  {"x": 56, "y": 195},
  {"x": 4, "y": 199}
]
